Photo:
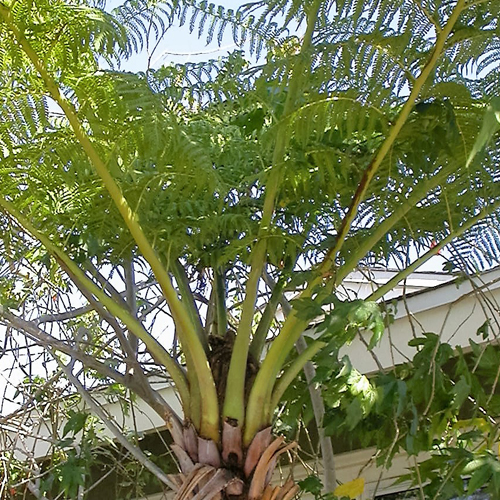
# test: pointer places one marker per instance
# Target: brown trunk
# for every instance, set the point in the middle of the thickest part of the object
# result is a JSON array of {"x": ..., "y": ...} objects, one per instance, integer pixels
[{"x": 232, "y": 473}]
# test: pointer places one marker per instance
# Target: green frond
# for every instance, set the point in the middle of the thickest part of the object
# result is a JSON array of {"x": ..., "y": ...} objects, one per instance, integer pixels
[
  {"x": 197, "y": 84},
  {"x": 56, "y": 28},
  {"x": 213, "y": 20},
  {"x": 141, "y": 19},
  {"x": 23, "y": 118},
  {"x": 478, "y": 248}
]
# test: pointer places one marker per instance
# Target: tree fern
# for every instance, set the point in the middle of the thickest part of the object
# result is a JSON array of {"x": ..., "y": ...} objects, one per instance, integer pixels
[{"x": 357, "y": 134}]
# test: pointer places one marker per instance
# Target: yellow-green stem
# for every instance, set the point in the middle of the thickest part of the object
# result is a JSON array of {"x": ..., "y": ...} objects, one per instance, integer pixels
[
  {"x": 234, "y": 404},
  {"x": 382, "y": 290},
  {"x": 187, "y": 332},
  {"x": 188, "y": 299},
  {"x": 420, "y": 191},
  {"x": 220, "y": 303},
  {"x": 330, "y": 258},
  {"x": 259, "y": 339},
  {"x": 289, "y": 376},
  {"x": 260, "y": 393},
  {"x": 234, "y": 401}
]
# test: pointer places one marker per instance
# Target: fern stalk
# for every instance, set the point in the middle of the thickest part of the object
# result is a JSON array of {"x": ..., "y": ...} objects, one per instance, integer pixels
[
  {"x": 268, "y": 315},
  {"x": 131, "y": 291},
  {"x": 291, "y": 373},
  {"x": 385, "y": 226},
  {"x": 360, "y": 193},
  {"x": 188, "y": 300},
  {"x": 220, "y": 303},
  {"x": 234, "y": 401},
  {"x": 210, "y": 415},
  {"x": 260, "y": 395},
  {"x": 261, "y": 392}
]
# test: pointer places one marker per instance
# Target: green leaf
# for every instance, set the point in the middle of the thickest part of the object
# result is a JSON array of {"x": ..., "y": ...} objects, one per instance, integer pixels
[
  {"x": 306, "y": 308},
  {"x": 402, "y": 390},
  {"x": 417, "y": 342},
  {"x": 65, "y": 443},
  {"x": 75, "y": 423},
  {"x": 461, "y": 391},
  {"x": 354, "y": 413},
  {"x": 377, "y": 326},
  {"x": 72, "y": 475},
  {"x": 311, "y": 484},
  {"x": 483, "y": 330},
  {"x": 491, "y": 124},
  {"x": 479, "y": 478}
]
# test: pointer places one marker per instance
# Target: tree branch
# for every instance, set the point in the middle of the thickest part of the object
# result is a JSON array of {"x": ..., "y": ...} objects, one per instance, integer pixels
[
  {"x": 31, "y": 330},
  {"x": 104, "y": 282},
  {"x": 55, "y": 318}
]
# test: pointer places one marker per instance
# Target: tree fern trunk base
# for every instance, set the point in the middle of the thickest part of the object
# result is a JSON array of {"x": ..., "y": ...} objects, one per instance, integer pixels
[{"x": 231, "y": 473}]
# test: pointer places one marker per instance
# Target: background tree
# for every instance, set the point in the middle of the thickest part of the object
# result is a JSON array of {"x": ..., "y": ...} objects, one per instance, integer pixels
[{"x": 134, "y": 198}]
